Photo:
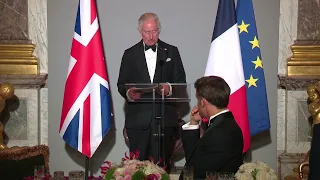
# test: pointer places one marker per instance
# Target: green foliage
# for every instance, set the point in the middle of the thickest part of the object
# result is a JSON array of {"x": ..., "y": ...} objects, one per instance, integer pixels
[
  {"x": 109, "y": 174},
  {"x": 165, "y": 176},
  {"x": 138, "y": 175},
  {"x": 254, "y": 173}
]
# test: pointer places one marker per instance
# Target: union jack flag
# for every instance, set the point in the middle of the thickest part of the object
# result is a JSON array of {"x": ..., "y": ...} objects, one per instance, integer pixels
[{"x": 86, "y": 112}]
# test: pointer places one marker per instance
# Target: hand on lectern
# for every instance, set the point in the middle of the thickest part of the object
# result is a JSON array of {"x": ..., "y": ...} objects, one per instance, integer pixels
[
  {"x": 134, "y": 94},
  {"x": 164, "y": 87}
]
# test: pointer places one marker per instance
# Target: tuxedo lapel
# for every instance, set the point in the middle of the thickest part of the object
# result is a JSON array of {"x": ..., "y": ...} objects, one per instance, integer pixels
[
  {"x": 215, "y": 122},
  {"x": 141, "y": 62}
]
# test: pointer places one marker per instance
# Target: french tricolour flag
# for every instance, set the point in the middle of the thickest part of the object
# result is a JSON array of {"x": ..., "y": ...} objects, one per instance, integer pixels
[
  {"x": 225, "y": 61},
  {"x": 86, "y": 111}
]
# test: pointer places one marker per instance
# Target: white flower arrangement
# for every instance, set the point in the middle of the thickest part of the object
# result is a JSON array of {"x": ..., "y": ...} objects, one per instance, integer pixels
[{"x": 255, "y": 171}]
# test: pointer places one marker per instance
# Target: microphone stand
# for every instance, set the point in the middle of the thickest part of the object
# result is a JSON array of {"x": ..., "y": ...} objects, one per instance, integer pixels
[
  {"x": 158, "y": 126},
  {"x": 159, "y": 145},
  {"x": 161, "y": 128}
]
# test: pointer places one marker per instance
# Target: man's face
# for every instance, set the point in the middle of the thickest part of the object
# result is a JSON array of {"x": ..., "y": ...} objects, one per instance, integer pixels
[
  {"x": 150, "y": 32},
  {"x": 201, "y": 107}
]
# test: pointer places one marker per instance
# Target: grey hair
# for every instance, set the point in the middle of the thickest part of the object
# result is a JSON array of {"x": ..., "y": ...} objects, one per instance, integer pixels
[{"x": 149, "y": 16}]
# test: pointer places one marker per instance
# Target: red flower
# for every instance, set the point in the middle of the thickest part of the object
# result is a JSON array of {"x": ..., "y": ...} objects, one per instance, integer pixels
[
  {"x": 132, "y": 155},
  {"x": 151, "y": 177},
  {"x": 104, "y": 169}
]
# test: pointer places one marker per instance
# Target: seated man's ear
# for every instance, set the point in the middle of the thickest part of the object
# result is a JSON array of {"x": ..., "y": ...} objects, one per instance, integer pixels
[{"x": 203, "y": 102}]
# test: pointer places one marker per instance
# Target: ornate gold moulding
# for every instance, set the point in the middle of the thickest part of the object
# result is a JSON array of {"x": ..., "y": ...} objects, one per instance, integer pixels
[
  {"x": 18, "y": 59},
  {"x": 305, "y": 60}
]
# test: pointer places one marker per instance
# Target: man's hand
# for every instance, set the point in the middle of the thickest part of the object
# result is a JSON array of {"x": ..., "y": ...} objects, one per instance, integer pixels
[
  {"x": 164, "y": 87},
  {"x": 133, "y": 94},
  {"x": 195, "y": 116}
]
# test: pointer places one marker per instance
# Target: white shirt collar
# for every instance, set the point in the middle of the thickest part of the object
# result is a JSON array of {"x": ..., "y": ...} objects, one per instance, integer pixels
[
  {"x": 144, "y": 44},
  {"x": 221, "y": 112}
]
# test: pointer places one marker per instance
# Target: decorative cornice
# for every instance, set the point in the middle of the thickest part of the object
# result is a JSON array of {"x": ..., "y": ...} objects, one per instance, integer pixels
[
  {"x": 296, "y": 82},
  {"x": 26, "y": 81}
]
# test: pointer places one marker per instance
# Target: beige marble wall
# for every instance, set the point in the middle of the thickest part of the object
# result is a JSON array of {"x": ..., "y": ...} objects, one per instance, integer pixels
[
  {"x": 44, "y": 116},
  {"x": 287, "y": 35},
  {"x": 37, "y": 21},
  {"x": 281, "y": 125},
  {"x": 308, "y": 20},
  {"x": 23, "y": 124},
  {"x": 297, "y": 122},
  {"x": 287, "y": 32},
  {"x": 38, "y": 34},
  {"x": 14, "y": 20}
]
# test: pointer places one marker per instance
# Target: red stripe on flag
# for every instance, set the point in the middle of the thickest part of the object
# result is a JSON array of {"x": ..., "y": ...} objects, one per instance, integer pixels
[
  {"x": 239, "y": 109},
  {"x": 86, "y": 150},
  {"x": 93, "y": 11},
  {"x": 89, "y": 60}
]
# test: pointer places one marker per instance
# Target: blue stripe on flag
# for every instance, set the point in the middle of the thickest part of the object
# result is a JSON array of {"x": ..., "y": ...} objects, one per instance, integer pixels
[
  {"x": 105, "y": 110},
  {"x": 226, "y": 18},
  {"x": 77, "y": 27},
  {"x": 71, "y": 134},
  {"x": 257, "y": 101}
]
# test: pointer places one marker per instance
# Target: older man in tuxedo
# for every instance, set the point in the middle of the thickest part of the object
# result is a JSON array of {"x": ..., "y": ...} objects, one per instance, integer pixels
[
  {"x": 149, "y": 61},
  {"x": 220, "y": 147}
]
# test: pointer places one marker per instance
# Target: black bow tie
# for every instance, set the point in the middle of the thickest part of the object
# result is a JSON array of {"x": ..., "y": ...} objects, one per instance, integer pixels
[{"x": 153, "y": 47}]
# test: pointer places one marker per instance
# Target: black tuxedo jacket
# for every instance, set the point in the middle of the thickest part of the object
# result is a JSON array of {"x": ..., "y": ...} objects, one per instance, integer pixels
[
  {"x": 314, "y": 160},
  {"x": 134, "y": 69},
  {"x": 219, "y": 149}
]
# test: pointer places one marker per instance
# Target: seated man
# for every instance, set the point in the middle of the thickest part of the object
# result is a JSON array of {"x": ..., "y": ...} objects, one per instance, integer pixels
[
  {"x": 220, "y": 147},
  {"x": 314, "y": 161}
]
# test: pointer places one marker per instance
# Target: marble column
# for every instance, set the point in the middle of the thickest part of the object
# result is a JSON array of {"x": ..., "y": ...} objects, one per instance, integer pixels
[
  {"x": 37, "y": 23},
  {"x": 287, "y": 35}
]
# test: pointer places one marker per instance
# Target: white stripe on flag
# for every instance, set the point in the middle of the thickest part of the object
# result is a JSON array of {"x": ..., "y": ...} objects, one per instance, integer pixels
[
  {"x": 225, "y": 59},
  {"x": 72, "y": 62},
  {"x": 95, "y": 114},
  {"x": 80, "y": 131}
]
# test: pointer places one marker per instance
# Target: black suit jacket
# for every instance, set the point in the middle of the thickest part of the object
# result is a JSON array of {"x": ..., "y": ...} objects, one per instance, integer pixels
[
  {"x": 314, "y": 160},
  {"x": 219, "y": 149},
  {"x": 134, "y": 69}
]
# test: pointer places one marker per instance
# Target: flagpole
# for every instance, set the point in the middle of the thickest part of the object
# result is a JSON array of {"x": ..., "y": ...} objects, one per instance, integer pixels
[{"x": 86, "y": 168}]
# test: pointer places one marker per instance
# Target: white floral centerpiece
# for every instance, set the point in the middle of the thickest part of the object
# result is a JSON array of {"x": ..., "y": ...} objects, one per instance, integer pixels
[{"x": 255, "y": 171}]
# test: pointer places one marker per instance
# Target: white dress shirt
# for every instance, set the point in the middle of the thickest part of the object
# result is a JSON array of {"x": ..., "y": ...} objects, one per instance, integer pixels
[
  {"x": 187, "y": 126},
  {"x": 151, "y": 60}
]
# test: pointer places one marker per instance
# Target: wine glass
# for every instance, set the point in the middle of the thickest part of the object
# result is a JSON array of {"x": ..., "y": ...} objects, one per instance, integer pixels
[
  {"x": 187, "y": 173},
  {"x": 225, "y": 176},
  {"x": 211, "y": 175}
]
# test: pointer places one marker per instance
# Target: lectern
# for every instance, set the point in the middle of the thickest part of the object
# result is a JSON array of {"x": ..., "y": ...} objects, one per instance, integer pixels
[{"x": 153, "y": 95}]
